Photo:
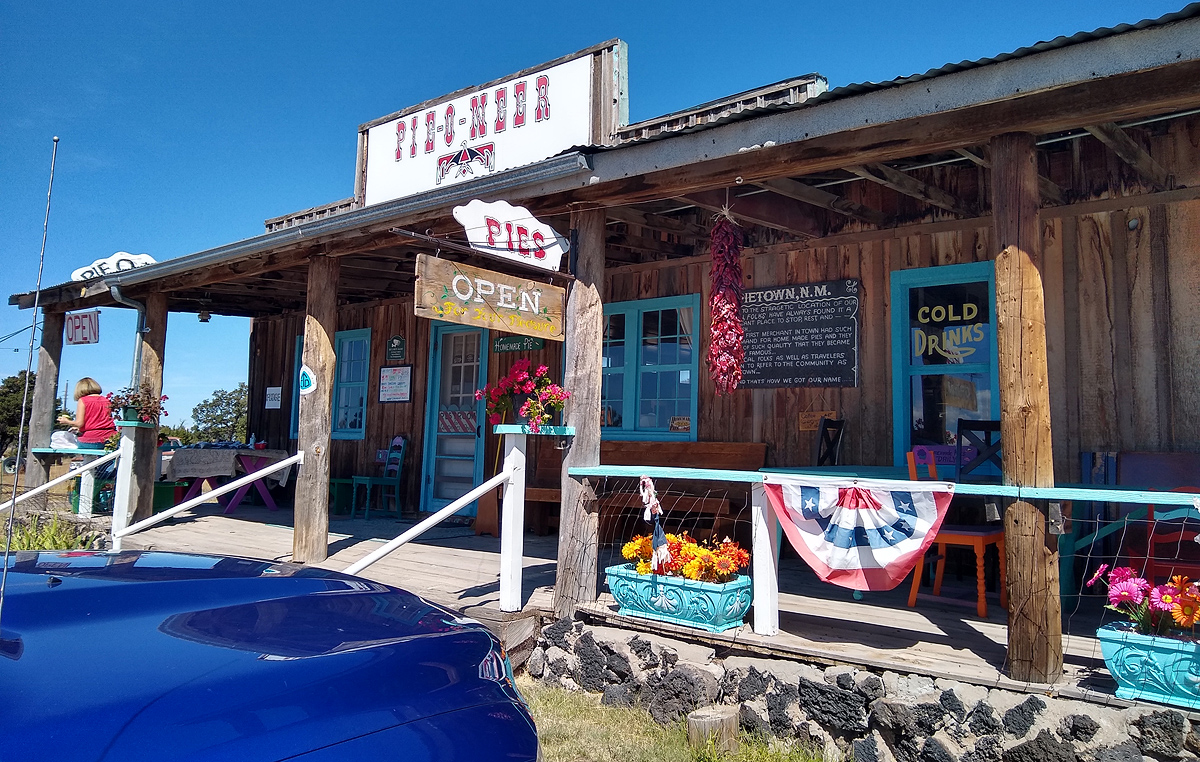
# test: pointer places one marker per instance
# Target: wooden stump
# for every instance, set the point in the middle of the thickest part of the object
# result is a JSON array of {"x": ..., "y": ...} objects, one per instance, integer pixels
[{"x": 715, "y": 724}]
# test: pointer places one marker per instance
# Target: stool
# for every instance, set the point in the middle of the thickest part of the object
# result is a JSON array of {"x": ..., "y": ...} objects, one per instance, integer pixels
[{"x": 977, "y": 538}]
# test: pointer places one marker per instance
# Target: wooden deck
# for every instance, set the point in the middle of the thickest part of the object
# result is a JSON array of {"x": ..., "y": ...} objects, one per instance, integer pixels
[{"x": 941, "y": 637}]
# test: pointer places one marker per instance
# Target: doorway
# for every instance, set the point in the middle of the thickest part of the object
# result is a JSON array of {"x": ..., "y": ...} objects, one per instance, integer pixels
[{"x": 454, "y": 423}]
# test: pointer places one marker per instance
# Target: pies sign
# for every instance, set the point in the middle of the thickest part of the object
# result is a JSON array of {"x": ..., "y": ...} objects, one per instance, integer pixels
[
  {"x": 508, "y": 231},
  {"x": 117, "y": 263}
]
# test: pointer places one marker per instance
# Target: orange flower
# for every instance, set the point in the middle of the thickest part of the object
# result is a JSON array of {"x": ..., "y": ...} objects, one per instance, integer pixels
[
  {"x": 724, "y": 565},
  {"x": 1185, "y": 610},
  {"x": 1179, "y": 582}
]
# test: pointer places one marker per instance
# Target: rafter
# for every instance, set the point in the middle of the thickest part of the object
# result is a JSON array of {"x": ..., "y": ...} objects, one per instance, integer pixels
[
  {"x": 911, "y": 186},
  {"x": 651, "y": 245},
  {"x": 660, "y": 222},
  {"x": 766, "y": 209},
  {"x": 1047, "y": 187},
  {"x": 1132, "y": 154},
  {"x": 819, "y": 197}
]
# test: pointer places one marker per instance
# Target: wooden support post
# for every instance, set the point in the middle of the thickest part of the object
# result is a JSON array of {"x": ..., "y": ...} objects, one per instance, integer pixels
[
  {"x": 1034, "y": 619},
  {"x": 578, "y": 532},
  {"x": 45, "y": 391},
  {"x": 310, "y": 543},
  {"x": 122, "y": 490},
  {"x": 145, "y": 440},
  {"x": 512, "y": 524},
  {"x": 714, "y": 725},
  {"x": 764, "y": 559}
]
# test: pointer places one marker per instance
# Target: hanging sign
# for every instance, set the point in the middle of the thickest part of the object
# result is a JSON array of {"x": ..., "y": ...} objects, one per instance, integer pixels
[
  {"x": 502, "y": 344},
  {"x": 117, "y": 263},
  {"x": 274, "y": 397},
  {"x": 801, "y": 335},
  {"x": 810, "y": 420},
  {"x": 82, "y": 327},
  {"x": 466, "y": 295},
  {"x": 308, "y": 381},
  {"x": 508, "y": 231},
  {"x": 395, "y": 349}
]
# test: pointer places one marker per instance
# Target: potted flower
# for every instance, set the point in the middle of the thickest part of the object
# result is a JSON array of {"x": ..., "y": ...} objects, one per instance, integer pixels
[
  {"x": 136, "y": 403},
  {"x": 1152, "y": 652},
  {"x": 698, "y": 585},
  {"x": 529, "y": 396}
]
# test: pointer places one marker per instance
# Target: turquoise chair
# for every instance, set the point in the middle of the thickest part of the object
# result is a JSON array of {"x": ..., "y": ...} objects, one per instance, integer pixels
[{"x": 393, "y": 470}]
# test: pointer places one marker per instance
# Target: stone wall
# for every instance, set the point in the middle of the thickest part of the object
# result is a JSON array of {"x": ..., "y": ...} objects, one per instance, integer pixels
[{"x": 853, "y": 713}]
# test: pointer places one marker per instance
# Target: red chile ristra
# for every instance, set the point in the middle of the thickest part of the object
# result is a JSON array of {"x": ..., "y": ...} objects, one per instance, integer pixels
[{"x": 725, "y": 353}]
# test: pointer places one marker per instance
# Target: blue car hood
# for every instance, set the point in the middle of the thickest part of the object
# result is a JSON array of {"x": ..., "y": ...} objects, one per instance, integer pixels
[{"x": 142, "y": 655}]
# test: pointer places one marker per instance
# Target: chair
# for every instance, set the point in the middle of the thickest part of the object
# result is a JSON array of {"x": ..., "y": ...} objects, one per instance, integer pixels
[
  {"x": 1178, "y": 532},
  {"x": 975, "y": 537},
  {"x": 392, "y": 472},
  {"x": 829, "y": 441},
  {"x": 977, "y": 434}
]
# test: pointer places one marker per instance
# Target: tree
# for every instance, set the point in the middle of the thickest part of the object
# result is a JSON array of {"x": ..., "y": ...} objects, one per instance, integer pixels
[
  {"x": 222, "y": 417},
  {"x": 12, "y": 390},
  {"x": 181, "y": 432}
]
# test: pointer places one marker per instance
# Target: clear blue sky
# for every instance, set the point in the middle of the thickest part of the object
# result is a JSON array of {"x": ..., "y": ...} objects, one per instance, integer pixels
[{"x": 184, "y": 125}]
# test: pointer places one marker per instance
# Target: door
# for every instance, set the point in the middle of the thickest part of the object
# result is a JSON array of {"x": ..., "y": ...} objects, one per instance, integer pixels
[
  {"x": 944, "y": 355},
  {"x": 454, "y": 424}
]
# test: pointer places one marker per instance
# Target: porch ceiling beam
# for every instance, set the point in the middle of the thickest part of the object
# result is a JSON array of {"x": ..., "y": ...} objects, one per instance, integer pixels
[
  {"x": 650, "y": 245},
  {"x": 911, "y": 186},
  {"x": 1048, "y": 189},
  {"x": 660, "y": 222},
  {"x": 1132, "y": 154},
  {"x": 785, "y": 186},
  {"x": 766, "y": 209}
]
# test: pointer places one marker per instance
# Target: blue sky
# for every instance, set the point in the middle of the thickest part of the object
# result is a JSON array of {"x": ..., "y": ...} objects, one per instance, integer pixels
[{"x": 184, "y": 125}]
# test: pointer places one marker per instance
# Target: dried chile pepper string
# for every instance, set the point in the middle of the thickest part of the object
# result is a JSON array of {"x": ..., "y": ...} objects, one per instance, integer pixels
[{"x": 725, "y": 349}]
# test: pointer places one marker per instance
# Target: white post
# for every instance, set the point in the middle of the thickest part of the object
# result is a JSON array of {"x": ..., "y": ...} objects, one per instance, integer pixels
[
  {"x": 512, "y": 523},
  {"x": 123, "y": 490},
  {"x": 87, "y": 487},
  {"x": 765, "y": 562}
]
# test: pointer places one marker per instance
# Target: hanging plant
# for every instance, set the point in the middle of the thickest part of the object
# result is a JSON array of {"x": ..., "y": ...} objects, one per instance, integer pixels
[{"x": 725, "y": 351}]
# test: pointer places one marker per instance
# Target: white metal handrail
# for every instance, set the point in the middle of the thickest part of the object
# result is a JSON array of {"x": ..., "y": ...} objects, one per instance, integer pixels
[
  {"x": 120, "y": 532},
  {"x": 72, "y": 474}
]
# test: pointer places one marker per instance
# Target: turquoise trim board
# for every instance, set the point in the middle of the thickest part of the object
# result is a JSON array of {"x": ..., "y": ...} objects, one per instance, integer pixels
[
  {"x": 544, "y": 431},
  {"x": 709, "y": 606},
  {"x": 295, "y": 427},
  {"x": 903, "y": 370}
]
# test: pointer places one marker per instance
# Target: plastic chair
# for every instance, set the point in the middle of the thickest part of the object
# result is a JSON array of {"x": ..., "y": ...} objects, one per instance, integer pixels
[
  {"x": 829, "y": 441},
  {"x": 392, "y": 472}
]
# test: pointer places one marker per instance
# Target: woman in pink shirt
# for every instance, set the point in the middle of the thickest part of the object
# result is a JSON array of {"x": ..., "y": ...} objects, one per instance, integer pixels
[{"x": 93, "y": 417}]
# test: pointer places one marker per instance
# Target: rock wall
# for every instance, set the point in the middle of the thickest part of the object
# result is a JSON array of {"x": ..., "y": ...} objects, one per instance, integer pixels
[{"x": 853, "y": 713}]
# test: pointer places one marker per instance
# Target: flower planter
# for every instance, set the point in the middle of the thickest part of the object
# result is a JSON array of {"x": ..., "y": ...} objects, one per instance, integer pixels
[
  {"x": 129, "y": 414},
  {"x": 1151, "y": 667},
  {"x": 710, "y": 606}
]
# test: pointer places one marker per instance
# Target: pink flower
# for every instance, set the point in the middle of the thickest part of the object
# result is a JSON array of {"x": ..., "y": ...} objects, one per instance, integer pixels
[
  {"x": 1163, "y": 597},
  {"x": 494, "y": 419},
  {"x": 478, "y": 394},
  {"x": 541, "y": 371},
  {"x": 528, "y": 387},
  {"x": 1096, "y": 576},
  {"x": 1125, "y": 591},
  {"x": 1120, "y": 574}
]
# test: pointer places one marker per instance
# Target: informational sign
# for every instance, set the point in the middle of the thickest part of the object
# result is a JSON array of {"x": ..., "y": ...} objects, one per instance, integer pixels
[
  {"x": 274, "y": 397},
  {"x": 119, "y": 262},
  {"x": 307, "y": 381},
  {"x": 395, "y": 349},
  {"x": 680, "y": 424},
  {"x": 810, "y": 420},
  {"x": 466, "y": 295},
  {"x": 481, "y": 131},
  {"x": 395, "y": 384},
  {"x": 508, "y": 231},
  {"x": 801, "y": 335},
  {"x": 82, "y": 327},
  {"x": 502, "y": 344}
]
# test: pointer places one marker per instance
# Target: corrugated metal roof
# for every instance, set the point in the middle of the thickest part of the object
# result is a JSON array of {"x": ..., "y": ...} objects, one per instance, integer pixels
[{"x": 676, "y": 123}]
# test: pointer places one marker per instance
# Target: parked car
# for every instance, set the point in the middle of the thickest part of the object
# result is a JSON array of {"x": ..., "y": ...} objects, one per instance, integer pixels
[{"x": 161, "y": 656}]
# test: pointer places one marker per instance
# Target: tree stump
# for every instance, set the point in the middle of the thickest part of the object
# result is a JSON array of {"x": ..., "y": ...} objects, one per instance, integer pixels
[{"x": 718, "y": 724}]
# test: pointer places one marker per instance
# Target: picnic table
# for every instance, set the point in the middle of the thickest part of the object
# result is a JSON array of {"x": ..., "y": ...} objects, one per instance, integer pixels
[{"x": 211, "y": 465}]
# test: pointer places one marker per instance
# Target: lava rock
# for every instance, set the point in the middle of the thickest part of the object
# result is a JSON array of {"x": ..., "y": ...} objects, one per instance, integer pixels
[
  {"x": 834, "y": 707},
  {"x": 683, "y": 689},
  {"x": 1161, "y": 733},
  {"x": 1021, "y": 717},
  {"x": 928, "y": 718},
  {"x": 779, "y": 701},
  {"x": 592, "y": 664},
  {"x": 559, "y": 662},
  {"x": 618, "y": 695},
  {"x": 1122, "y": 752},
  {"x": 894, "y": 717},
  {"x": 559, "y": 634},
  {"x": 1079, "y": 727},
  {"x": 953, "y": 705},
  {"x": 870, "y": 686},
  {"x": 935, "y": 751},
  {"x": 845, "y": 681},
  {"x": 1044, "y": 748},
  {"x": 987, "y": 749},
  {"x": 753, "y": 685},
  {"x": 865, "y": 750},
  {"x": 643, "y": 650},
  {"x": 753, "y": 717},
  {"x": 982, "y": 721},
  {"x": 535, "y": 665}
]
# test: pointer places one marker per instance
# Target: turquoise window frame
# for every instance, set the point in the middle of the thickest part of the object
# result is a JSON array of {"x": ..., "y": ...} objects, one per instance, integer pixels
[
  {"x": 339, "y": 341},
  {"x": 295, "y": 427},
  {"x": 903, "y": 371},
  {"x": 633, "y": 312}
]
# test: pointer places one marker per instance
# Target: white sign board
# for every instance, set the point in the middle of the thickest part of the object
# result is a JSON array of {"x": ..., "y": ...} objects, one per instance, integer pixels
[
  {"x": 274, "y": 397},
  {"x": 82, "y": 327},
  {"x": 511, "y": 232},
  {"x": 119, "y": 262},
  {"x": 516, "y": 122},
  {"x": 395, "y": 384}
]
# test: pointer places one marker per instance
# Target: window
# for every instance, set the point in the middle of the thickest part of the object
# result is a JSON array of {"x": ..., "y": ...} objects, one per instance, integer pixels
[
  {"x": 296, "y": 387},
  {"x": 350, "y": 377},
  {"x": 649, "y": 365}
]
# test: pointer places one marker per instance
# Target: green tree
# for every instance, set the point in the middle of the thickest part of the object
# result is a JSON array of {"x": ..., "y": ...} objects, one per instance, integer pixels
[
  {"x": 221, "y": 417},
  {"x": 181, "y": 432},
  {"x": 12, "y": 390}
]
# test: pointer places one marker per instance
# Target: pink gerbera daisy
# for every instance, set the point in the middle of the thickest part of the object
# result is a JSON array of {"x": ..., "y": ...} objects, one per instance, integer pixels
[
  {"x": 1096, "y": 577},
  {"x": 1120, "y": 574},
  {"x": 1163, "y": 598},
  {"x": 1125, "y": 591}
]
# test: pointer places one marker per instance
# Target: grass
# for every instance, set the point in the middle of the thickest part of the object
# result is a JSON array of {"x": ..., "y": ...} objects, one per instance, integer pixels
[
  {"x": 573, "y": 725},
  {"x": 33, "y": 533}
]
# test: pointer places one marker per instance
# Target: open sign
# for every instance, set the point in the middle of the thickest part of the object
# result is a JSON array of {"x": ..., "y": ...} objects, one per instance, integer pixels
[{"x": 82, "y": 327}]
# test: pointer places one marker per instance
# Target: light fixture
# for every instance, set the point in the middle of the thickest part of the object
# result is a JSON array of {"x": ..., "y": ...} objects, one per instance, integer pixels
[{"x": 204, "y": 316}]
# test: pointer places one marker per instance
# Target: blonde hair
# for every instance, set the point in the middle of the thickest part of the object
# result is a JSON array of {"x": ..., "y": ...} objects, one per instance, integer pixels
[{"x": 86, "y": 386}]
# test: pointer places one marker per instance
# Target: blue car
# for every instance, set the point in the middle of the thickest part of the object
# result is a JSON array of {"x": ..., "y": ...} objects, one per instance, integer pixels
[{"x": 164, "y": 656}]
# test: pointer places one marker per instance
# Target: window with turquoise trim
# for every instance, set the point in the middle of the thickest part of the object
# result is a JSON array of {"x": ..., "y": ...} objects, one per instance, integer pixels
[
  {"x": 351, "y": 375},
  {"x": 649, "y": 388},
  {"x": 295, "y": 428}
]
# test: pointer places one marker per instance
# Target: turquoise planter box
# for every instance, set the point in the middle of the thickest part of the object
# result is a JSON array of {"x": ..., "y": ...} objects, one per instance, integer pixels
[
  {"x": 705, "y": 605},
  {"x": 1151, "y": 667}
]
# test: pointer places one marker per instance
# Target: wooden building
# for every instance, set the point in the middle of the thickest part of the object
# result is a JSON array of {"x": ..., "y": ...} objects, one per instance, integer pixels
[{"x": 1054, "y": 189}]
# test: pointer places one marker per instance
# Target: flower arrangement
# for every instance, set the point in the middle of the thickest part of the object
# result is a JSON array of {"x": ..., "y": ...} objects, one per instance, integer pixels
[
  {"x": 1152, "y": 609},
  {"x": 542, "y": 395},
  {"x": 690, "y": 559},
  {"x": 149, "y": 407}
]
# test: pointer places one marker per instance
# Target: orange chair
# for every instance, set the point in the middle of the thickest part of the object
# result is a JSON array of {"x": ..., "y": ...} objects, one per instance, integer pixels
[
  {"x": 1179, "y": 516},
  {"x": 976, "y": 538}
]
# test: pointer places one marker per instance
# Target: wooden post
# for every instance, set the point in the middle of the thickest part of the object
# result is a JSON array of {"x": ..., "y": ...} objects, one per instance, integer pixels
[
  {"x": 145, "y": 440},
  {"x": 764, "y": 559},
  {"x": 310, "y": 543},
  {"x": 578, "y": 532},
  {"x": 45, "y": 391},
  {"x": 1035, "y": 617},
  {"x": 715, "y": 725},
  {"x": 512, "y": 524}
]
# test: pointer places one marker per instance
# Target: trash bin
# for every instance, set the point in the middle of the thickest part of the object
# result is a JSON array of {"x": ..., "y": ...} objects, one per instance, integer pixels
[{"x": 168, "y": 495}]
